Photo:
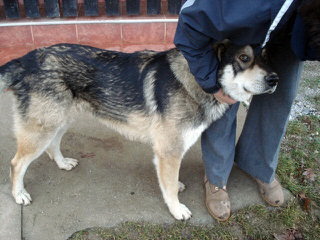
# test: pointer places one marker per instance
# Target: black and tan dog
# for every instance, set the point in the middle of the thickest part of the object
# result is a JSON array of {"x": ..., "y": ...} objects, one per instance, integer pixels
[{"x": 147, "y": 96}]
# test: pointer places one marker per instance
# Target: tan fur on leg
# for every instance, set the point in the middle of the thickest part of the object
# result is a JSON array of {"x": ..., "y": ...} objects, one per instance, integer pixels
[
  {"x": 31, "y": 144},
  {"x": 168, "y": 175},
  {"x": 55, "y": 154},
  {"x": 168, "y": 155}
]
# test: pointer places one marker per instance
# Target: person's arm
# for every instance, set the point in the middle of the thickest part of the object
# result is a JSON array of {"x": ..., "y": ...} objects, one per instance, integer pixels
[
  {"x": 305, "y": 40},
  {"x": 204, "y": 22},
  {"x": 197, "y": 47},
  {"x": 202, "y": 60},
  {"x": 201, "y": 24}
]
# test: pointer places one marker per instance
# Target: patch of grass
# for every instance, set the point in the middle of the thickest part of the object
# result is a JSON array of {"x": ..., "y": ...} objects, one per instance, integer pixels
[
  {"x": 316, "y": 101},
  {"x": 311, "y": 82},
  {"x": 298, "y": 171},
  {"x": 255, "y": 222},
  {"x": 145, "y": 231},
  {"x": 311, "y": 76},
  {"x": 299, "y": 161}
]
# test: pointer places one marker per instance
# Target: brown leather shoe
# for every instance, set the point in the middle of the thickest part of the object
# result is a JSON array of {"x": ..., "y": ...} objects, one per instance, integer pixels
[
  {"x": 271, "y": 192},
  {"x": 217, "y": 201}
]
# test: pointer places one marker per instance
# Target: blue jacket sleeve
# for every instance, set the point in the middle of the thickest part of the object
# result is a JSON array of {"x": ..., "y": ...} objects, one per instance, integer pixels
[
  {"x": 203, "y": 22},
  {"x": 200, "y": 25},
  {"x": 299, "y": 42},
  {"x": 197, "y": 49}
]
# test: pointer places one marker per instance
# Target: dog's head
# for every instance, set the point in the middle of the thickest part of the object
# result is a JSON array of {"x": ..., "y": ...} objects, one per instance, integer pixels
[{"x": 242, "y": 73}]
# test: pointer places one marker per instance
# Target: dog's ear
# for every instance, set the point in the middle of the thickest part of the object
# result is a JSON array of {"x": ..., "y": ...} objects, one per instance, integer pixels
[{"x": 221, "y": 47}]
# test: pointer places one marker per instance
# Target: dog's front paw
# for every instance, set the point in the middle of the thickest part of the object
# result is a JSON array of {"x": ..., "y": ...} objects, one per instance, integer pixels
[
  {"x": 182, "y": 187},
  {"x": 180, "y": 212},
  {"x": 67, "y": 163},
  {"x": 22, "y": 197}
]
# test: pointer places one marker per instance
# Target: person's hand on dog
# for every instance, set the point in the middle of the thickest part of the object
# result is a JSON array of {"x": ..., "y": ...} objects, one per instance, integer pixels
[{"x": 224, "y": 98}]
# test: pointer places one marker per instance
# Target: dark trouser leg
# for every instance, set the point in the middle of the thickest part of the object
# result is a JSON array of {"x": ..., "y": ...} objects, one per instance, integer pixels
[
  {"x": 258, "y": 147},
  {"x": 218, "y": 147}
]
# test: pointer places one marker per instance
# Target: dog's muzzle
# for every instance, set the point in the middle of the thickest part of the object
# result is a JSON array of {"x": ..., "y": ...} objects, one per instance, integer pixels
[{"x": 272, "y": 79}]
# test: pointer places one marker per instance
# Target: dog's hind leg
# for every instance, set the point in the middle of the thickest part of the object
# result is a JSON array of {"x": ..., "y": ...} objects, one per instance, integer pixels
[
  {"x": 55, "y": 154},
  {"x": 167, "y": 161},
  {"x": 32, "y": 140}
]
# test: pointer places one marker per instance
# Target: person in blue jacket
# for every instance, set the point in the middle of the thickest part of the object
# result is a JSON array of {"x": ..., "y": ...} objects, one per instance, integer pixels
[{"x": 204, "y": 22}]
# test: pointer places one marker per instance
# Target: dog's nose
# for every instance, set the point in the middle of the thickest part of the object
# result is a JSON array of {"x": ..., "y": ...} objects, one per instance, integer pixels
[{"x": 272, "y": 79}]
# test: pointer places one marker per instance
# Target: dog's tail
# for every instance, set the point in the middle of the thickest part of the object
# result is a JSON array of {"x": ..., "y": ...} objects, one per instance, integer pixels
[{"x": 9, "y": 73}]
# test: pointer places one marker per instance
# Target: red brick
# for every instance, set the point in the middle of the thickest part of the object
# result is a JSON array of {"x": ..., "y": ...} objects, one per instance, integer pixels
[
  {"x": 53, "y": 34},
  {"x": 134, "y": 48},
  {"x": 143, "y": 33},
  {"x": 109, "y": 46},
  {"x": 170, "y": 32},
  {"x": 99, "y": 33},
  {"x": 169, "y": 46},
  {"x": 10, "y": 53},
  {"x": 15, "y": 36},
  {"x": 113, "y": 48}
]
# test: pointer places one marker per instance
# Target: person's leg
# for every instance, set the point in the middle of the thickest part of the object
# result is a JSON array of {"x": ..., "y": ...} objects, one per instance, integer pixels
[
  {"x": 218, "y": 147},
  {"x": 259, "y": 144}
]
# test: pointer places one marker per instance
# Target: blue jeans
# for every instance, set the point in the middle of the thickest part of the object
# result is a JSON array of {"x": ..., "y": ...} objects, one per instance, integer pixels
[{"x": 258, "y": 147}]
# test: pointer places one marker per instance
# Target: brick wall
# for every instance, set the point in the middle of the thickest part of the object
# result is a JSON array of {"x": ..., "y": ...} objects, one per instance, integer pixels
[{"x": 128, "y": 37}]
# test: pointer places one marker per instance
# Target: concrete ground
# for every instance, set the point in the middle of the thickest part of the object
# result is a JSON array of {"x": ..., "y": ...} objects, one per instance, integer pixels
[{"x": 114, "y": 182}]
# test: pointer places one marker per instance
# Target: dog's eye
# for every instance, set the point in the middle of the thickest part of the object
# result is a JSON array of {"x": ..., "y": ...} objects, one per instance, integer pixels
[{"x": 244, "y": 58}]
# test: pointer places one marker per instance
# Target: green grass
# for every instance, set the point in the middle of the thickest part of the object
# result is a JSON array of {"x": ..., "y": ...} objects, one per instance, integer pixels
[
  {"x": 255, "y": 222},
  {"x": 316, "y": 101},
  {"x": 301, "y": 216},
  {"x": 300, "y": 155},
  {"x": 310, "y": 80}
]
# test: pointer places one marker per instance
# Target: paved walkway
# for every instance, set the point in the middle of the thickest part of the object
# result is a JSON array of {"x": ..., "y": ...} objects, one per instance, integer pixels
[{"x": 114, "y": 182}]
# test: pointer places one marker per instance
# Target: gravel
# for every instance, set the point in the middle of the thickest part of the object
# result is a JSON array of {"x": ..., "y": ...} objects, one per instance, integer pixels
[{"x": 309, "y": 88}]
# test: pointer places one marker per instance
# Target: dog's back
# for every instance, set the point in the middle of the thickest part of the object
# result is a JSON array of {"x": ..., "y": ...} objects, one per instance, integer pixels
[{"x": 110, "y": 84}]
